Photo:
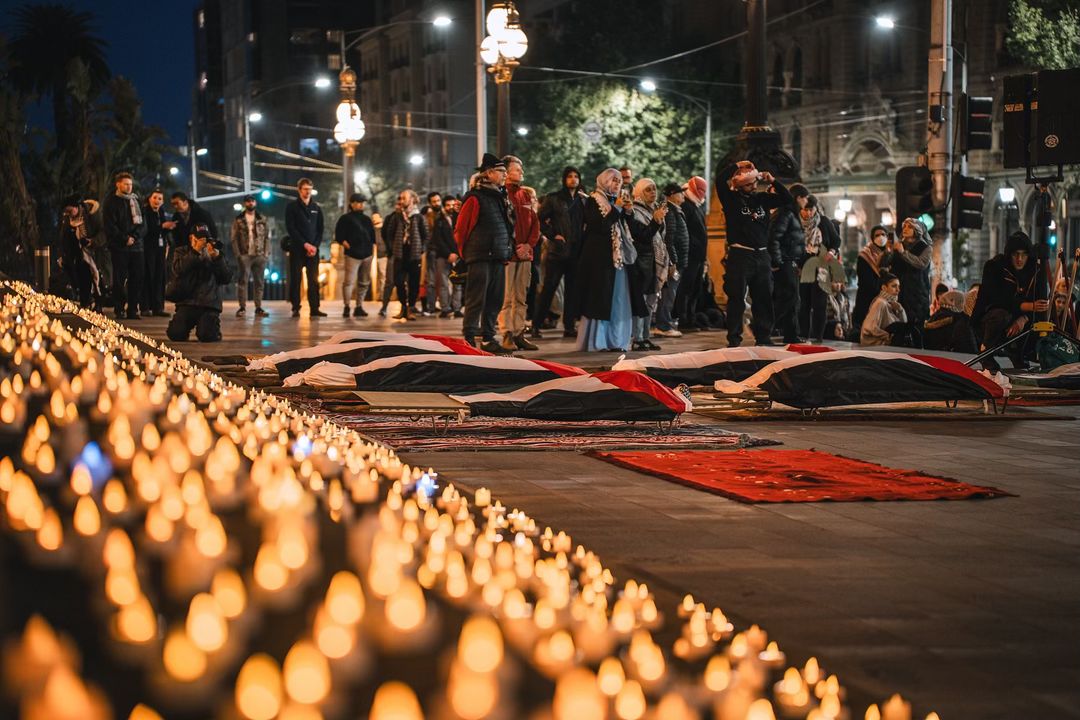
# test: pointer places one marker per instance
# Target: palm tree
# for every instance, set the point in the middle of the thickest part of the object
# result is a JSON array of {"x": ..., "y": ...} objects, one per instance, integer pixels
[
  {"x": 19, "y": 231},
  {"x": 49, "y": 43}
]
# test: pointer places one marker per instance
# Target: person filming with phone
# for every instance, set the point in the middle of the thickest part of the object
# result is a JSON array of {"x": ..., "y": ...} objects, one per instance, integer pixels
[{"x": 198, "y": 271}]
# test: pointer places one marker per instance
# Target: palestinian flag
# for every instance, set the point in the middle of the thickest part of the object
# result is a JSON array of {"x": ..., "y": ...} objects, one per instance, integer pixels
[
  {"x": 705, "y": 367},
  {"x": 445, "y": 373},
  {"x": 360, "y": 352},
  {"x": 611, "y": 395},
  {"x": 861, "y": 377}
]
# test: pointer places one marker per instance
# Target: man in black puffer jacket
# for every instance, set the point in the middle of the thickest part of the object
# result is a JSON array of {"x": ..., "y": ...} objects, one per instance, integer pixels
[
  {"x": 198, "y": 272},
  {"x": 484, "y": 235},
  {"x": 786, "y": 233}
]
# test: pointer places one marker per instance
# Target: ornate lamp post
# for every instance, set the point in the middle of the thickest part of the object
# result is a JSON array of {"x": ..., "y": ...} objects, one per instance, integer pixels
[
  {"x": 505, "y": 44},
  {"x": 349, "y": 129}
]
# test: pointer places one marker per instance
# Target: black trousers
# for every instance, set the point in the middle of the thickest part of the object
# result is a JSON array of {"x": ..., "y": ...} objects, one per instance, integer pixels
[
  {"x": 407, "y": 282},
  {"x": 298, "y": 263},
  {"x": 556, "y": 271},
  {"x": 82, "y": 281},
  {"x": 748, "y": 270},
  {"x": 786, "y": 300},
  {"x": 689, "y": 294},
  {"x": 205, "y": 321},
  {"x": 127, "y": 267},
  {"x": 153, "y": 296},
  {"x": 485, "y": 284},
  {"x": 813, "y": 306},
  {"x": 995, "y": 330}
]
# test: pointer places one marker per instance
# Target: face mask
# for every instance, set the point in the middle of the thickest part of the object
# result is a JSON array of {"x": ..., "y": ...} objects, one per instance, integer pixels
[{"x": 881, "y": 240}]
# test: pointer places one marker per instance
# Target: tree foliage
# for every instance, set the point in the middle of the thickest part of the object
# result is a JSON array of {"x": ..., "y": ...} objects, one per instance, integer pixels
[
  {"x": 611, "y": 125},
  {"x": 1046, "y": 34}
]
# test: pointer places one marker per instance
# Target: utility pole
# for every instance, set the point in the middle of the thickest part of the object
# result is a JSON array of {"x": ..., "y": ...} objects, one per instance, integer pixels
[
  {"x": 481, "y": 86},
  {"x": 939, "y": 135}
]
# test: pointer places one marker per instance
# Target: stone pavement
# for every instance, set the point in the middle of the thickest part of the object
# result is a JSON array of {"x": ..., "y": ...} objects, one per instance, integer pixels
[{"x": 969, "y": 608}]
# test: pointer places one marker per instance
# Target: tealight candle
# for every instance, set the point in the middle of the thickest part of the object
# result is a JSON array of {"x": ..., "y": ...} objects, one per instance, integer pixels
[
  {"x": 761, "y": 710},
  {"x": 896, "y": 708},
  {"x": 136, "y": 621},
  {"x": 872, "y": 713},
  {"x": 258, "y": 688},
  {"x": 480, "y": 647},
  {"x": 306, "y": 674},
  {"x": 406, "y": 608},
  {"x": 394, "y": 701},
  {"x": 610, "y": 677},
  {"x": 577, "y": 697},
  {"x": 630, "y": 701},
  {"x": 183, "y": 660},
  {"x": 206, "y": 624},
  {"x": 228, "y": 589},
  {"x": 87, "y": 519},
  {"x": 142, "y": 712}
]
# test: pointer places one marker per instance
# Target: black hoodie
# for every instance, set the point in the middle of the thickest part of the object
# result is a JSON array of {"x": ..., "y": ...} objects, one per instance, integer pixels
[
  {"x": 563, "y": 213},
  {"x": 1003, "y": 286}
]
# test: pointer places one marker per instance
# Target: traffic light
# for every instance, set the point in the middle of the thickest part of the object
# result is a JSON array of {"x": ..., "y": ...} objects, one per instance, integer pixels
[
  {"x": 976, "y": 123},
  {"x": 967, "y": 202},
  {"x": 913, "y": 193}
]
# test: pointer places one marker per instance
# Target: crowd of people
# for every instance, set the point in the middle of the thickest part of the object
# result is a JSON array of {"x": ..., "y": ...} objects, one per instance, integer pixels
[{"x": 618, "y": 266}]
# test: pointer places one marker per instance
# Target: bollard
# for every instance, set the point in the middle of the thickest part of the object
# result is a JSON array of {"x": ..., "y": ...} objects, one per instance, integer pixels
[{"x": 42, "y": 268}]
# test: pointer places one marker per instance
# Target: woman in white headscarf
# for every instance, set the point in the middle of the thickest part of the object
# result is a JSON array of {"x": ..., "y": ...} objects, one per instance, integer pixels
[
  {"x": 647, "y": 229},
  {"x": 607, "y": 249}
]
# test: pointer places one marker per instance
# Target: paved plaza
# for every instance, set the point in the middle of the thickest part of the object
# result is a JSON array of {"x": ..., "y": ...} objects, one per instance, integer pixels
[{"x": 969, "y": 608}]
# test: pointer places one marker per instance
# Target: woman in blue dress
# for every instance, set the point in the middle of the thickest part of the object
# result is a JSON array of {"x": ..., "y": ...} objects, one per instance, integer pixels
[{"x": 607, "y": 250}]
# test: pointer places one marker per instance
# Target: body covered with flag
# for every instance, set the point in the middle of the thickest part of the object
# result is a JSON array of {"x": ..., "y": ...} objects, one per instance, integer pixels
[
  {"x": 360, "y": 351},
  {"x": 860, "y": 377},
  {"x": 705, "y": 367},
  {"x": 445, "y": 373},
  {"x": 611, "y": 395}
]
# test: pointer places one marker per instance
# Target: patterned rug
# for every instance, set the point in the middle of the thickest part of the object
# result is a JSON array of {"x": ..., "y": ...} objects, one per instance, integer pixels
[
  {"x": 519, "y": 434},
  {"x": 776, "y": 476}
]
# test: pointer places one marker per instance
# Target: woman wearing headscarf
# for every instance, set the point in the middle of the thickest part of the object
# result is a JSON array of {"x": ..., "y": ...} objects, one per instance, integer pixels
[
  {"x": 607, "y": 249},
  {"x": 939, "y": 331},
  {"x": 647, "y": 230},
  {"x": 910, "y": 262},
  {"x": 886, "y": 322},
  {"x": 868, "y": 271},
  {"x": 810, "y": 217}
]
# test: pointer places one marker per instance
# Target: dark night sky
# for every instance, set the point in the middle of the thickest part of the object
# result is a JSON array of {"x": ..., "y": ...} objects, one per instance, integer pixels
[{"x": 150, "y": 42}]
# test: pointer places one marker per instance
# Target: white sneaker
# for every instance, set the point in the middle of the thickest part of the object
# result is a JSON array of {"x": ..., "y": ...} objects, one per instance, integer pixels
[{"x": 673, "y": 333}]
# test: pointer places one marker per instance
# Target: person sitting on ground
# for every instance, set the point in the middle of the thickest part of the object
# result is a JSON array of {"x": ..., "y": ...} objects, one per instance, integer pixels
[
  {"x": 198, "y": 271},
  {"x": 938, "y": 330},
  {"x": 886, "y": 321},
  {"x": 1008, "y": 299}
]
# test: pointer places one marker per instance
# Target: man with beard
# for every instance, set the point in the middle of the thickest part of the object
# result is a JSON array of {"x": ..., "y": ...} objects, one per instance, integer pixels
[
  {"x": 562, "y": 218},
  {"x": 124, "y": 230},
  {"x": 485, "y": 235}
]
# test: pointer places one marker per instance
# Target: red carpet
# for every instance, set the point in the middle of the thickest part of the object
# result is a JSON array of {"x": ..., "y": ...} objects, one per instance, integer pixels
[
  {"x": 1043, "y": 401},
  {"x": 768, "y": 476}
]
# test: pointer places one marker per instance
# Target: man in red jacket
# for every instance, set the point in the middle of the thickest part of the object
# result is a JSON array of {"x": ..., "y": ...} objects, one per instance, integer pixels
[{"x": 519, "y": 270}]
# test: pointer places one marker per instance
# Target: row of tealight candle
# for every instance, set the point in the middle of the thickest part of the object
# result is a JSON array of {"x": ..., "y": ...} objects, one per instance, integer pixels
[{"x": 248, "y": 560}]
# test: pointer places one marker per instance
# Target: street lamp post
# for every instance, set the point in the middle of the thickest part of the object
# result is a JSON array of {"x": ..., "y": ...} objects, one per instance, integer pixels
[
  {"x": 349, "y": 129},
  {"x": 501, "y": 50}
]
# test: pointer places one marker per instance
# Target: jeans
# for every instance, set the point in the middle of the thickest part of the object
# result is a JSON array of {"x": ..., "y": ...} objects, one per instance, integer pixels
[
  {"x": 127, "y": 267},
  {"x": 786, "y": 300},
  {"x": 389, "y": 276},
  {"x": 153, "y": 295},
  {"x": 748, "y": 269},
  {"x": 407, "y": 282},
  {"x": 300, "y": 262},
  {"x": 449, "y": 293},
  {"x": 484, "y": 285},
  {"x": 666, "y": 309},
  {"x": 512, "y": 315},
  {"x": 429, "y": 281},
  {"x": 255, "y": 265},
  {"x": 205, "y": 321},
  {"x": 556, "y": 270},
  {"x": 357, "y": 274}
]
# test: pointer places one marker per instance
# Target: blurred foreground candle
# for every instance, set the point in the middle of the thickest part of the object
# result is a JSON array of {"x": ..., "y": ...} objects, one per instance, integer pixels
[
  {"x": 761, "y": 710},
  {"x": 65, "y": 697},
  {"x": 480, "y": 647},
  {"x": 307, "y": 674},
  {"x": 896, "y": 708},
  {"x": 345, "y": 599},
  {"x": 258, "y": 688},
  {"x": 182, "y": 659},
  {"x": 395, "y": 701},
  {"x": 142, "y": 712},
  {"x": 577, "y": 697},
  {"x": 206, "y": 624}
]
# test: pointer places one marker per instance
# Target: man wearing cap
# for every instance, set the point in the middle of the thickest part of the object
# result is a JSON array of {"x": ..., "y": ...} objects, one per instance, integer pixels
[
  {"x": 484, "y": 234},
  {"x": 356, "y": 233},
  {"x": 304, "y": 223},
  {"x": 198, "y": 271},
  {"x": 750, "y": 256},
  {"x": 677, "y": 240},
  {"x": 251, "y": 245}
]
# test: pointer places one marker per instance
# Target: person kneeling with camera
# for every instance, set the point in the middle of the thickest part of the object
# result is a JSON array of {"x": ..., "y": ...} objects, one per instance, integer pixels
[{"x": 196, "y": 275}]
